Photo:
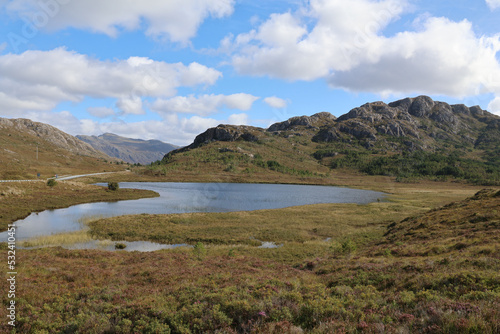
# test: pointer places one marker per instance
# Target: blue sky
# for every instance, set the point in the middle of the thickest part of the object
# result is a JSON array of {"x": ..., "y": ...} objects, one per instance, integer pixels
[{"x": 168, "y": 70}]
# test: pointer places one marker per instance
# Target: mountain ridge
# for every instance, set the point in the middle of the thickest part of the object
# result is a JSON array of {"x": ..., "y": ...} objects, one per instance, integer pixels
[
  {"x": 375, "y": 138},
  {"x": 128, "y": 149},
  {"x": 408, "y": 117},
  {"x": 29, "y": 148}
]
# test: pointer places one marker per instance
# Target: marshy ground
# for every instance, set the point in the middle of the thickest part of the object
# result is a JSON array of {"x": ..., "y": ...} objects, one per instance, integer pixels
[{"x": 343, "y": 268}]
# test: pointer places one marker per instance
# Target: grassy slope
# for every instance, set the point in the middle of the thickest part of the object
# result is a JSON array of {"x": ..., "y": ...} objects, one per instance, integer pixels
[
  {"x": 359, "y": 281},
  {"x": 18, "y": 158},
  {"x": 292, "y": 157}
]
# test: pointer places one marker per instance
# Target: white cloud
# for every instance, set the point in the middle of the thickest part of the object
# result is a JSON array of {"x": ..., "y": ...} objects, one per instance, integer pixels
[
  {"x": 40, "y": 80},
  {"x": 494, "y": 106},
  {"x": 175, "y": 20},
  {"x": 131, "y": 105},
  {"x": 445, "y": 57},
  {"x": 172, "y": 129},
  {"x": 493, "y": 4},
  {"x": 101, "y": 112},
  {"x": 344, "y": 43},
  {"x": 275, "y": 102},
  {"x": 205, "y": 104},
  {"x": 238, "y": 119},
  {"x": 313, "y": 53}
]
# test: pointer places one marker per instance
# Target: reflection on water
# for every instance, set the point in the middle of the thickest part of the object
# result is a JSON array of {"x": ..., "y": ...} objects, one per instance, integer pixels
[
  {"x": 140, "y": 246},
  {"x": 266, "y": 244},
  {"x": 190, "y": 197}
]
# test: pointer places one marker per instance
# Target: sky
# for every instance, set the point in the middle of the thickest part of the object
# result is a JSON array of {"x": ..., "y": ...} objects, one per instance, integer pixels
[{"x": 170, "y": 69}]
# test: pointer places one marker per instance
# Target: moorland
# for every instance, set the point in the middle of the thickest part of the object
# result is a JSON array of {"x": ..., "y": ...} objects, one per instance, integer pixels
[{"x": 426, "y": 260}]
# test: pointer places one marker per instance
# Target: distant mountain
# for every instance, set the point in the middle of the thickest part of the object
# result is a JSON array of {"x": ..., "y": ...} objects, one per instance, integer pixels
[
  {"x": 28, "y": 148},
  {"x": 127, "y": 149},
  {"x": 413, "y": 137}
]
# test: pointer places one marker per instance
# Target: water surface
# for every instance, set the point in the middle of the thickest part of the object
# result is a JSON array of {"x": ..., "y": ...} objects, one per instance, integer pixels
[{"x": 190, "y": 197}]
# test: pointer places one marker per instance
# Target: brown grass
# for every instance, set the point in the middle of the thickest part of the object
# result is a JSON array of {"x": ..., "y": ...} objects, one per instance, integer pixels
[{"x": 18, "y": 200}]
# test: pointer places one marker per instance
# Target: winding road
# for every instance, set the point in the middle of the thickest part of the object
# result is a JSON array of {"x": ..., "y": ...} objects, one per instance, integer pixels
[{"x": 63, "y": 178}]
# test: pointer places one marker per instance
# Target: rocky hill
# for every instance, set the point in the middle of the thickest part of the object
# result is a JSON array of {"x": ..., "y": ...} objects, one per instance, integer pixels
[
  {"x": 409, "y": 124},
  {"x": 28, "y": 148},
  {"x": 406, "y": 137},
  {"x": 127, "y": 149}
]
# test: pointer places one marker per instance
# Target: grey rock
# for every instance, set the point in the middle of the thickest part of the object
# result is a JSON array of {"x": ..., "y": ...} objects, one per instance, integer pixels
[
  {"x": 421, "y": 106},
  {"x": 460, "y": 109},
  {"x": 403, "y": 105},
  {"x": 226, "y": 133},
  {"x": 476, "y": 110},
  {"x": 327, "y": 135},
  {"x": 314, "y": 121},
  {"x": 358, "y": 129}
]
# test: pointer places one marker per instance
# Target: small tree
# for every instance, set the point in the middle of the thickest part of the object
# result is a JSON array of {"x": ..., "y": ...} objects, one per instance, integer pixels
[
  {"x": 199, "y": 250},
  {"x": 51, "y": 182},
  {"x": 113, "y": 186}
]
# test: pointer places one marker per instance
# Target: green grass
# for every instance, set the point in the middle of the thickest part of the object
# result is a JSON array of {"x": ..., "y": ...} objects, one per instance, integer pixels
[
  {"x": 296, "y": 224},
  {"x": 350, "y": 284},
  {"x": 59, "y": 239},
  {"x": 434, "y": 272}
]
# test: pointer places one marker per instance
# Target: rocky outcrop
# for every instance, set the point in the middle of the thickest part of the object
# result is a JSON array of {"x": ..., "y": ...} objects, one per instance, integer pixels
[
  {"x": 358, "y": 129},
  {"x": 314, "y": 121},
  {"x": 222, "y": 133},
  {"x": 227, "y": 133},
  {"x": 418, "y": 123},
  {"x": 129, "y": 150},
  {"x": 419, "y": 118}
]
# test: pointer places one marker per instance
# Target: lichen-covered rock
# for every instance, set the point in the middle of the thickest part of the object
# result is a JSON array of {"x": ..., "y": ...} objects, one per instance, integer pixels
[
  {"x": 227, "y": 133},
  {"x": 421, "y": 106},
  {"x": 327, "y": 135},
  {"x": 358, "y": 129},
  {"x": 314, "y": 121},
  {"x": 460, "y": 109}
]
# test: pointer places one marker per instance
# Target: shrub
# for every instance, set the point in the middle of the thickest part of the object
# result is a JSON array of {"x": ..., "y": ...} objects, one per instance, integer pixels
[
  {"x": 199, "y": 250},
  {"x": 51, "y": 182},
  {"x": 120, "y": 245},
  {"x": 113, "y": 186}
]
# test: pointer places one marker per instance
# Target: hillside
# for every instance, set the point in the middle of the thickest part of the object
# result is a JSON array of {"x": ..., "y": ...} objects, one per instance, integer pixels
[
  {"x": 127, "y": 149},
  {"x": 436, "y": 272},
  {"x": 410, "y": 138},
  {"x": 28, "y": 148}
]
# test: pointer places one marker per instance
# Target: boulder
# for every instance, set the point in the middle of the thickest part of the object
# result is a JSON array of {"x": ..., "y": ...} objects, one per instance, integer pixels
[{"x": 421, "y": 106}]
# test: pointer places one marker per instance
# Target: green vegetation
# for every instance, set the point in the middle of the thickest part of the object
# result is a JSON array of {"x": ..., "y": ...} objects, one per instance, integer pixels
[
  {"x": 51, "y": 182},
  {"x": 296, "y": 156},
  {"x": 415, "y": 263},
  {"x": 120, "y": 245},
  {"x": 26, "y": 154},
  {"x": 313, "y": 223},
  {"x": 59, "y": 239},
  {"x": 113, "y": 186},
  {"x": 421, "y": 164},
  {"x": 435, "y": 272}
]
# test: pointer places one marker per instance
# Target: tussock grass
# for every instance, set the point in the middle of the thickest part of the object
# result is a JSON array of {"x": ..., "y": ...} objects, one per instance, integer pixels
[
  {"x": 367, "y": 278},
  {"x": 59, "y": 239},
  {"x": 296, "y": 224}
]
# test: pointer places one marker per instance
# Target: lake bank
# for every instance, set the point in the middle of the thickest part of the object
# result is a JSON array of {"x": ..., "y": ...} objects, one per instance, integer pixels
[
  {"x": 425, "y": 282},
  {"x": 188, "y": 198},
  {"x": 19, "y": 200}
]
